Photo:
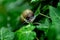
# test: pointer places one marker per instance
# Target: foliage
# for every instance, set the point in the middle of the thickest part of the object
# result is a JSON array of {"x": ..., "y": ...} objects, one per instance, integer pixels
[
  {"x": 55, "y": 13},
  {"x": 46, "y": 24},
  {"x": 25, "y": 33}
]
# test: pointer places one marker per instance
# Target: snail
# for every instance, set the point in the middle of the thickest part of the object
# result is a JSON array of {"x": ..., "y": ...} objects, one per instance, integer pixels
[{"x": 27, "y": 16}]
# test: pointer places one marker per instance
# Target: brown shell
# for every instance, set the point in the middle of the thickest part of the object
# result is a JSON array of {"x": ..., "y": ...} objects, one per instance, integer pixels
[{"x": 25, "y": 14}]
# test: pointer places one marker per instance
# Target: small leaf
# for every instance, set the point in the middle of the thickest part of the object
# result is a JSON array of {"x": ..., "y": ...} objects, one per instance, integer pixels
[
  {"x": 29, "y": 27},
  {"x": 46, "y": 7},
  {"x": 44, "y": 26},
  {"x": 37, "y": 12},
  {"x": 26, "y": 33},
  {"x": 34, "y": 0}
]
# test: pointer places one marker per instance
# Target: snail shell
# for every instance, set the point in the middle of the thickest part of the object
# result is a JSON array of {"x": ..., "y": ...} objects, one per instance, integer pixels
[{"x": 27, "y": 15}]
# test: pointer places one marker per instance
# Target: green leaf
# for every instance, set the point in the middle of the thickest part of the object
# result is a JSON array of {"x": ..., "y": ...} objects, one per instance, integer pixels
[
  {"x": 37, "y": 12},
  {"x": 26, "y": 33},
  {"x": 55, "y": 14},
  {"x": 29, "y": 27},
  {"x": 44, "y": 26},
  {"x": 6, "y": 34},
  {"x": 46, "y": 7},
  {"x": 55, "y": 28},
  {"x": 34, "y": 0}
]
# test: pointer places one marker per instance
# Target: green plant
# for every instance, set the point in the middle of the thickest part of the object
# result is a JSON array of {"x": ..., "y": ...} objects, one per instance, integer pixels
[{"x": 46, "y": 24}]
